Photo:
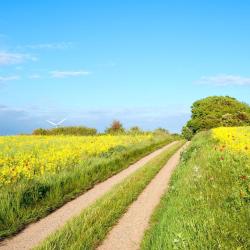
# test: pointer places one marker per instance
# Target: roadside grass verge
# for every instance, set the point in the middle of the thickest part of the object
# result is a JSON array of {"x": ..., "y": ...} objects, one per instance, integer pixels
[
  {"x": 207, "y": 205},
  {"x": 28, "y": 201},
  {"x": 87, "y": 230}
]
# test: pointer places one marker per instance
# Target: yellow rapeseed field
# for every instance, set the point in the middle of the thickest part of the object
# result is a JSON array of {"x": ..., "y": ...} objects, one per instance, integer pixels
[
  {"x": 30, "y": 156},
  {"x": 234, "y": 138}
]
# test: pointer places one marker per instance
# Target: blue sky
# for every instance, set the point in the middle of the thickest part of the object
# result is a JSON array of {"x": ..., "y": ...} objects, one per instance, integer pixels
[{"x": 143, "y": 62}]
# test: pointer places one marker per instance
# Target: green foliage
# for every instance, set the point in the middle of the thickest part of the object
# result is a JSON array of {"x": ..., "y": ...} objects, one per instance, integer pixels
[
  {"x": 187, "y": 133},
  {"x": 40, "y": 131},
  {"x": 28, "y": 201},
  {"x": 217, "y": 111},
  {"x": 160, "y": 131},
  {"x": 207, "y": 206},
  {"x": 115, "y": 128},
  {"x": 87, "y": 230},
  {"x": 80, "y": 130},
  {"x": 135, "y": 130}
]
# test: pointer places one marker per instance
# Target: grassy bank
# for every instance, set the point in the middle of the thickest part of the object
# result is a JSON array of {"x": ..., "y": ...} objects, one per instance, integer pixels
[
  {"x": 90, "y": 228},
  {"x": 207, "y": 206},
  {"x": 29, "y": 200}
]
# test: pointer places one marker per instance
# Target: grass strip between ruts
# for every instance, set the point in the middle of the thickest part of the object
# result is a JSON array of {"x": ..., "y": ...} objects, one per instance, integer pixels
[{"x": 87, "y": 230}]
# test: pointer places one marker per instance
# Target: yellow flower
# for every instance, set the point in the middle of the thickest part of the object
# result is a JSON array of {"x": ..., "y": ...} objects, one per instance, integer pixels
[
  {"x": 31, "y": 156},
  {"x": 234, "y": 138}
]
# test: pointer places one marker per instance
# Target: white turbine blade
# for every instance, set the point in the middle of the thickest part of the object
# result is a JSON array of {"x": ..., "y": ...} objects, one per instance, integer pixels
[
  {"x": 61, "y": 121},
  {"x": 52, "y": 123}
]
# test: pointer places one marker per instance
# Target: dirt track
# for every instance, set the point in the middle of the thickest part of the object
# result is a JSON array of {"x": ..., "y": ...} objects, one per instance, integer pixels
[
  {"x": 129, "y": 231},
  {"x": 38, "y": 231}
]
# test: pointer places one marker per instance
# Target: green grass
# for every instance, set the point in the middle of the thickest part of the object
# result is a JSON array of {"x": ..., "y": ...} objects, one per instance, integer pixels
[
  {"x": 28, "y": 201},
  {"x": 87, "y": 230},
  {"x": 207, "y": 206}
]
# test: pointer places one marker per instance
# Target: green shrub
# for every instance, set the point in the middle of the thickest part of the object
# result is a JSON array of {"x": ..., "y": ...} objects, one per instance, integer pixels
[
  {"x": 40, "y": 131},
  {"x": 80, "y": 130},
  {"x": 187, "y": 133},
  {"x": 160, "y": 131},
  {"x": 135, "y": 130}
]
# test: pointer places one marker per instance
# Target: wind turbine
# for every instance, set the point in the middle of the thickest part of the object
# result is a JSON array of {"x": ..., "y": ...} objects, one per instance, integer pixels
[{"x": 56, "y": 125}]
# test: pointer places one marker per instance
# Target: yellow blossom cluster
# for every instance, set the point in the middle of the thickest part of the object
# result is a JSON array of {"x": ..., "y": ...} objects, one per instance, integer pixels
[
  {"x": 234, "y": 138},
  {"x": 31, "y": 156}
]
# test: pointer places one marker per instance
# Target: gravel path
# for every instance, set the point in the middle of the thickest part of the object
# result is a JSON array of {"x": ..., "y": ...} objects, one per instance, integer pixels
[
  {"x": 38, "y": 231},
  {"x": 129, "y": 231}
]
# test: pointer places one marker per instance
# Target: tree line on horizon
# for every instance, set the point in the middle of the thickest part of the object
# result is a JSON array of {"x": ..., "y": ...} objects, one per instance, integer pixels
[
  {"x": 115, "y": 128},
  {"x": 206, "y": 113}
]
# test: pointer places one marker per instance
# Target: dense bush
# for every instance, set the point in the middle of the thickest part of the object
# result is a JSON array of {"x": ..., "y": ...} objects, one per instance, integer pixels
[
  {"x": 160, "y": 131},
  {"x": 135, "y": 130},
  {"x": 40, "y": 131},
  {"x": 216, "y": 111},
  {"x": 187, "y": 133},
  {"x": 80, "y": 130}
]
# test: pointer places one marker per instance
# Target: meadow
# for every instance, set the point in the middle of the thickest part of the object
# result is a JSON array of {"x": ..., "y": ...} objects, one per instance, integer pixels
[
  {"x": 40, "y": 173},
  {"x": 208, "y": 204}
]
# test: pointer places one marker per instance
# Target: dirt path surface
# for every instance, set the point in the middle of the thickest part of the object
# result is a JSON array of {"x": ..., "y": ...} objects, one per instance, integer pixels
[
  {"x": 38, "y": 231},
  {"x": 129, "y": 231}
]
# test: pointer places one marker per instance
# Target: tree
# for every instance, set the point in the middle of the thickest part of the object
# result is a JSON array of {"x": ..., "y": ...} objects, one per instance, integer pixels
[
  {"x": 216, "y": 111},
  {"x": 115, "y": 128}
]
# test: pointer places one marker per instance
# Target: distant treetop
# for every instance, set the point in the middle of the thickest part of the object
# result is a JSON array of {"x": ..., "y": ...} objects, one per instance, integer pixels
[{"x": 115, "y": 128}]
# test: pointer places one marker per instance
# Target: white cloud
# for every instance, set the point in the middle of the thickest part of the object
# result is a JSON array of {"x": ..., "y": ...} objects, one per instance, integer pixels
[
  {"x": 225, "y": 80},
  {"x": 9, "y": 78},
  {"x": 63, "y": 74},
  {"x": 61, "y": 45},
  {"x": 7, "y": 58}
]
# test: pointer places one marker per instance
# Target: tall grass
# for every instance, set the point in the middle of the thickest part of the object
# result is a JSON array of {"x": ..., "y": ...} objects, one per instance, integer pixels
[
  {"x": 88, "y": 229},
  {"x": 28, "y": 201},
  {"x": 207, "y": 206}
]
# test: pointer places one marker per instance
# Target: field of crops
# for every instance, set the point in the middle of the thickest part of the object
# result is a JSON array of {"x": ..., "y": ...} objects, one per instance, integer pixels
[
  {"x": 235, "y": 138},
  {"x": 26, "y": 157},
  {"x": 40, "y": 173},
  {"x": 208, "y": 204}
]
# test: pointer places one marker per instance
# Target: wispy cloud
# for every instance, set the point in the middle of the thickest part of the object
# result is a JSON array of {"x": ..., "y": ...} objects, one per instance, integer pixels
[
  {"x": 9, "y": 78},
  {"x": 7, "y": 58},
  {"x": 225, "y": 80},
  {"x": 60, "y": 45},
  {"x": 64, "y": 74}
]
